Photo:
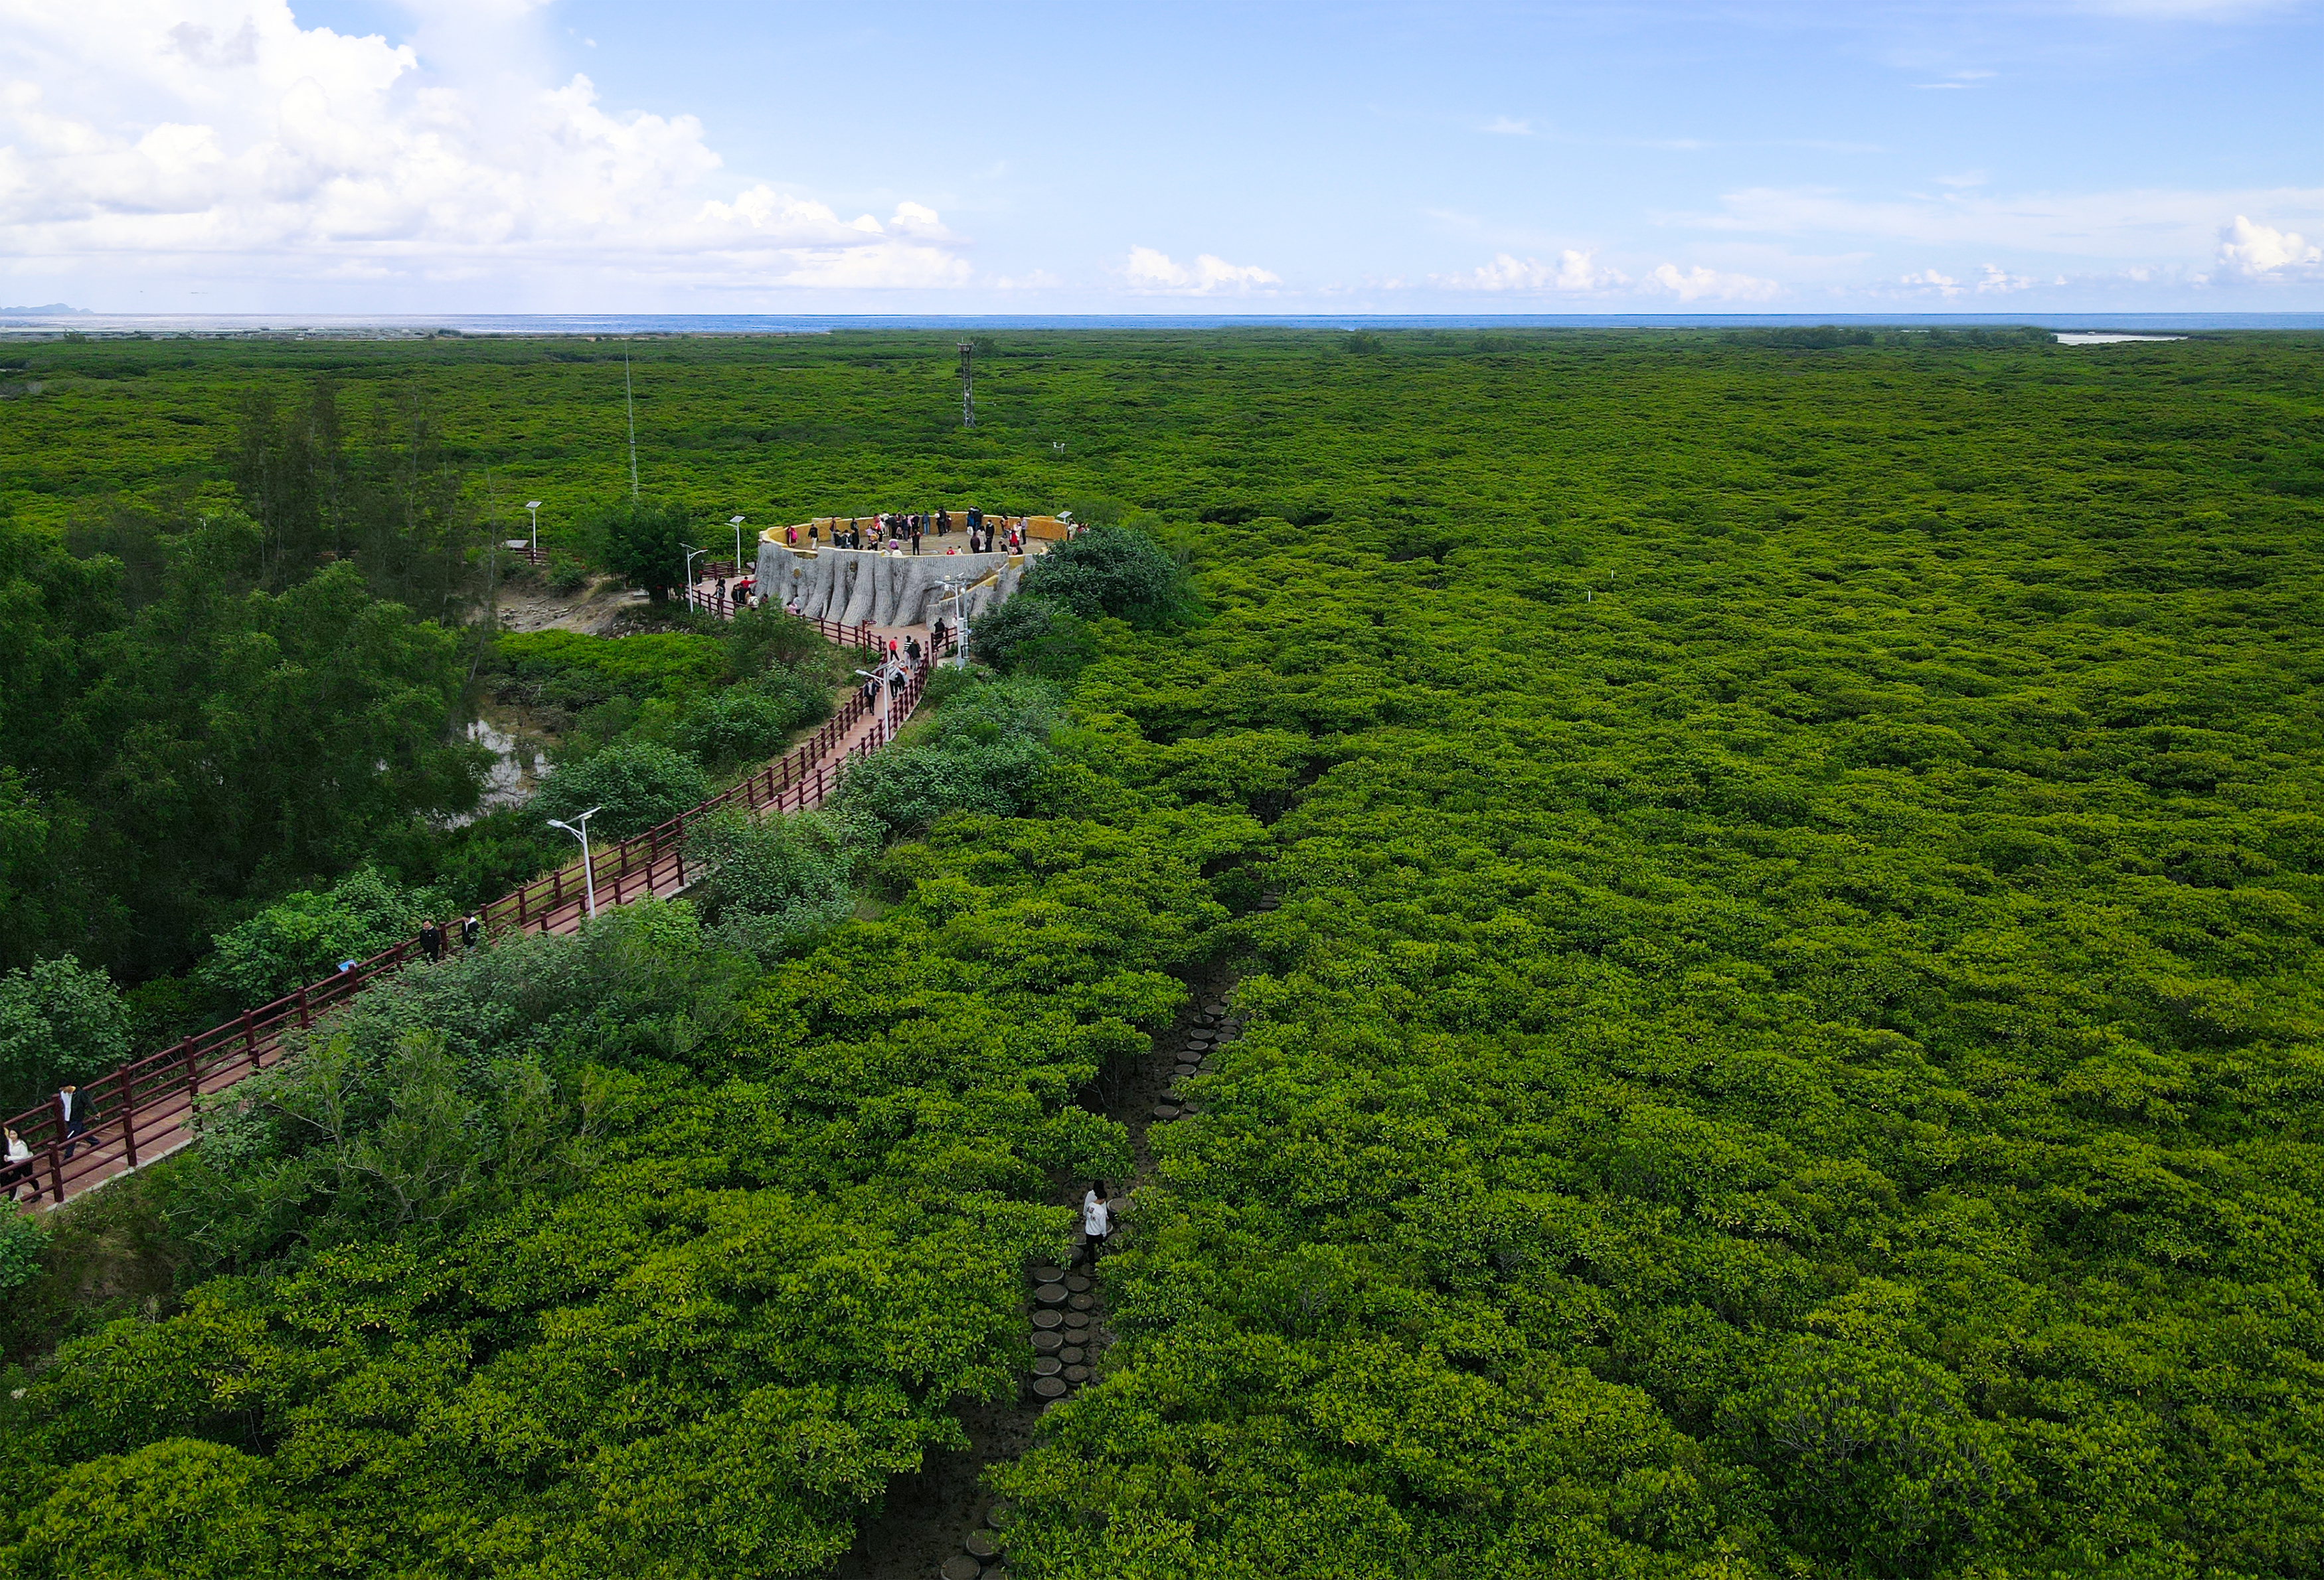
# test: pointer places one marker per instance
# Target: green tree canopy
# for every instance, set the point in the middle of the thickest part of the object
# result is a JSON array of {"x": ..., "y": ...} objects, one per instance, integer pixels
[
  {"x": 637, "y": 783},
  {"x": 643, "y": 542},
  {"x": 1117, "y": 571},
  {"x": 59, "y": 1021}
]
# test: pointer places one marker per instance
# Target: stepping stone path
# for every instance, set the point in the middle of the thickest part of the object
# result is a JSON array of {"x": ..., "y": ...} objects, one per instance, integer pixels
[{"x": 1068, "y": 1311}]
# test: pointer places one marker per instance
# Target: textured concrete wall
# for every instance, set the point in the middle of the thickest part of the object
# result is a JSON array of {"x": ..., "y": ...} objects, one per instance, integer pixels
[{"x": 848, "y": 585}]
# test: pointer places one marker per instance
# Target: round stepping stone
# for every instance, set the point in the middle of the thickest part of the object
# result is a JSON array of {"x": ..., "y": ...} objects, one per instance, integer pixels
[
  {"x": 1071, "y": 1356},
  {"x": 960, "y": 1566},
  {"x": 1045, "y": 1273},
  {"x": 981, "y": 1545},
  {"x": 1048, "y": 1344},
  {"x": 1051, "y": 1294},
  {"x": 1047, "y": 1365},
  {"x": 1046, "y": 1319},
  {"x": 1077, "y": 1374},
  {"x": 1082, "y": 1302},
  {"x": 1049, "y": 1387},
  {"x": 1165, "y": 1112},
  {"x": 1078, "y": 1282},
  {"x": 998, "y": 1515}
]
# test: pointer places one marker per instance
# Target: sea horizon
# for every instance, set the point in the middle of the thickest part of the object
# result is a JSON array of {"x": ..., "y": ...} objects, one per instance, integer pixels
[{"x": 28, "y": 325}]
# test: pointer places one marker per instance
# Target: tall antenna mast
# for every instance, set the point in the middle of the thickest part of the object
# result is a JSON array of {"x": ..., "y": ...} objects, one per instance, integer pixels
[
  {"x": 630, "y": 398},
  {"x": 967, "y": 385}
]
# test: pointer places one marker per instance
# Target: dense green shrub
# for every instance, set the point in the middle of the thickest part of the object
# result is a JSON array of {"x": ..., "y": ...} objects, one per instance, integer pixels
[
  {"x": 671, "y": 665},
  {"x": 22, "y": 1237},
  {"x": 1117, "y": 571},
  {"x": 563, "y": 574},
  {"x": 776, "y": 883},
  {"x": 986, "y": 753},
  {"x": 1032, "y": 635},
  {"x": 750, "y": 723},
  {"x": 447, "y": 1093},
  {"x": 761, "y": 639},
  {"x": 636, "y": 783}
]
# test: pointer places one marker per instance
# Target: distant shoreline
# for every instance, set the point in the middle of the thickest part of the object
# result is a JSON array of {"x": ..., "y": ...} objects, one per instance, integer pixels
[{"x": 419, "y": 326}]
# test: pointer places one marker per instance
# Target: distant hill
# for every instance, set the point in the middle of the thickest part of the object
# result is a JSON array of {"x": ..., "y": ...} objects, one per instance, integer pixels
[{"x": 52, "y": 310}]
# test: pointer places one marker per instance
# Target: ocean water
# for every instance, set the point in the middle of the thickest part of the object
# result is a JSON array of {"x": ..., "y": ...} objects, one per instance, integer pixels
[{"x": 397, "y": 326}]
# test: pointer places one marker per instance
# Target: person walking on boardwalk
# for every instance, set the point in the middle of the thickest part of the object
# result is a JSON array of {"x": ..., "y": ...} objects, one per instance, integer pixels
[
  {"x": 1097, "y": 1221},
  {"x": 16, "y": 1167},
  {"x": 75, "y": 1111},
  {"x": 471, "y": 931},
  {"x": 431, "y": 941},
  {"x": 916, "y": 534}
]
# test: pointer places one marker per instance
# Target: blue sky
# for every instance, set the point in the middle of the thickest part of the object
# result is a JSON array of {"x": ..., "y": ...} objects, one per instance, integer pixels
[{"x": 503, "y": 155}]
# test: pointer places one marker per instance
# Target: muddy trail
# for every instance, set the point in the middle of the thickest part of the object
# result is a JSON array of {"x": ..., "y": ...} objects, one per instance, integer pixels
[{"x": 942, "y": 1523}]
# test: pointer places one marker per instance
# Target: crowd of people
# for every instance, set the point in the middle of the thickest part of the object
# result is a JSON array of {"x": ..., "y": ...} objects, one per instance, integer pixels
[{"x": 907, "y": 532}]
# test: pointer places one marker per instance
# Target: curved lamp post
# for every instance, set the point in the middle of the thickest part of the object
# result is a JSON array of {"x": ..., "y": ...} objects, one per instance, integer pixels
[{"x": 588, "y": 873}]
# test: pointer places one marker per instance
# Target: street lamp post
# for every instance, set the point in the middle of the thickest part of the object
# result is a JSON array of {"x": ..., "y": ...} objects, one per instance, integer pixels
[
  {"x": 588, "y": 872},
  {"x": 534, "y": 507},
  {"x": 957, "y": 587},
  {"x": 737, "y": 523},
  {"x": 887, "y": 701},
  {"x": 690, "y": 552}
]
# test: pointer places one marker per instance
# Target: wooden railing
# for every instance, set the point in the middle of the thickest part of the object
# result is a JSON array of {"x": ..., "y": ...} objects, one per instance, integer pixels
[{"x": 141, "y": 1107}]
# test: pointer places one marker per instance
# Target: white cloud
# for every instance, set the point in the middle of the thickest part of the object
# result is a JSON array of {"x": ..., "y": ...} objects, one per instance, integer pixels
[
  {"x": 1699, "y": 282},
  {"x": 1569, "y": 271},
  {"x": 1944, "y": 285},
  {"x": 2000, "y": 280},
  {"x": 220, "y": 135},
  {"x": 1153, "y": 273},
  {"x": 1508, "y": 127},
  {"x": 2136, "y": 226},
  {"x": 2259, "y": 251}
]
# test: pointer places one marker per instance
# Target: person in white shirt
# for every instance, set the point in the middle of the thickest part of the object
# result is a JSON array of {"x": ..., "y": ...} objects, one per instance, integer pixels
[
  {"x": 1097, "y": 1220},
  {"x": 18, "y": 1167}
]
